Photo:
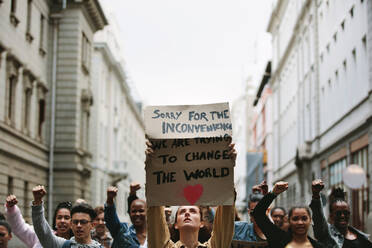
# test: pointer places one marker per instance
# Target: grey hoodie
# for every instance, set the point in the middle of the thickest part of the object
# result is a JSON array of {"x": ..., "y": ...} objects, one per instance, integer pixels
[{"x": 46, "y": 236}]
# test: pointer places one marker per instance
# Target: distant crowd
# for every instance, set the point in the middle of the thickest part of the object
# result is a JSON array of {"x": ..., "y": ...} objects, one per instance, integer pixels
[{"x": 79, "y": 225}]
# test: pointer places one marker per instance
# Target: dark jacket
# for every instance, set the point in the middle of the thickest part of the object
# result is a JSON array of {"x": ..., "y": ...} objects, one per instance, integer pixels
[
  {"x": 276, "y": 237},
  {"x": 328, "y": 233}
]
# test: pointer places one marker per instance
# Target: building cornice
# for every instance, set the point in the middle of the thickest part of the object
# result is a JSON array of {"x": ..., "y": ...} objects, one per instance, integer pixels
[
  {"x": 91, "y": 7},
  {"x": 279, "y": 7}
]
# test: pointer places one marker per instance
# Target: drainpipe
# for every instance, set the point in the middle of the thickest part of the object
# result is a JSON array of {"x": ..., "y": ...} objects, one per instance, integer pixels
[{"x": 55, "y": 20}]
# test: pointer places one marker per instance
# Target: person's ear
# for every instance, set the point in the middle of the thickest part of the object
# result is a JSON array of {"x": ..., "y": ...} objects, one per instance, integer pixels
[{"x": 10, "y": 236}]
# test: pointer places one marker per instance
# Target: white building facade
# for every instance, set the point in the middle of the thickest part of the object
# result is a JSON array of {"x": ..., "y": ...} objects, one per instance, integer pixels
[
  {"x": 117, "y": 136},
  {"x": 321, "y": 97}
]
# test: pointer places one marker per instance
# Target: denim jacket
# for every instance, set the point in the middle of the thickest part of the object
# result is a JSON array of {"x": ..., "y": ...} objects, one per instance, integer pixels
[
  {"x": 123, "y": 234},
  {"x": 244, "y": 231},
  {"x": 328, "y": 233}
]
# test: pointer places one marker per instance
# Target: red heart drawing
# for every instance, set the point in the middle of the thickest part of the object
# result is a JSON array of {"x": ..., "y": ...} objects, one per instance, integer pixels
[{"x": 193, "y": 193}]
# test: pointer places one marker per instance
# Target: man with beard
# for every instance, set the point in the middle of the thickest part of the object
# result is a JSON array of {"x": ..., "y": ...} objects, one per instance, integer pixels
[
  {"x": 123, "y": 234},
  {"x": 99, "y": 233},
  {"x": 337, "y": 234}
]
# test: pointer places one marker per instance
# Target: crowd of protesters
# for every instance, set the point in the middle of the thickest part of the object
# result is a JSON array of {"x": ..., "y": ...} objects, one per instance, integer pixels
[{"x": 81, "y": 225}]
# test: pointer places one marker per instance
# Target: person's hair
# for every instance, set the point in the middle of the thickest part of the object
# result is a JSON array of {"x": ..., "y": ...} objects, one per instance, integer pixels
[
  {"x": 6, "y": 225},
  {"x": 61, "y": 205},
  {"x": 83, "y": 208},
  {"x": 99, "y": 210},
  {"x": 298, "y": 207},
  {"x": 2, "y": 216},
  {"x": 136, "y": 200},
  {"x": 276, "y": 208},
  {"x": 337, "y": 195},
  {"x": 255, "y": 197},
  {"x": 203, "y": 236}
]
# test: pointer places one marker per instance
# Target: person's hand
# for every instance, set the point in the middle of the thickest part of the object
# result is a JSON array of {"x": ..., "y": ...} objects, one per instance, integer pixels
[
  {"x": 133, "y": 188},
  {"x": 264, "y": 188},
  {"x": 111, "y": 194},
  {"x": 280, "y": 187},
  {"x": 39, "y": 192},
  {"x": 11, "y": 200},
  {"x": 232, "y": 152},
  {"x": 149, "y": 151},
  {"x": 316, "y": 186}
]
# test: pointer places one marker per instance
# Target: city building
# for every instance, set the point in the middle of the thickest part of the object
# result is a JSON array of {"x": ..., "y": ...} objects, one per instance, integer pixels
[
  {"x": 117, "y": 136},
  {"x": 321, "y": 98},
  {"x": 24, "y": 92},
  {"x": 45, "y": 98}
]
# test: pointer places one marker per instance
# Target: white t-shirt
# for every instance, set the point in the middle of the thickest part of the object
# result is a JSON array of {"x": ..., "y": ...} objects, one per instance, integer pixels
[{"x": 144, "y": 245}]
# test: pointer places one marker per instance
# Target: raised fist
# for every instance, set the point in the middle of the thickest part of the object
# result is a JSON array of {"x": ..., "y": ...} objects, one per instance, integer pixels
[
  {"x": 280, "y": 187},
  {"x": 111, "y": 194},
  {"x": 316, "y": 186},
  {"x": 133, "y": 188},
  {"x": 264, "y": 187},
  {"x": 11, "y": 200},
  {"x": 232, "y": 152},
  {"x": 39, "y": 192}
]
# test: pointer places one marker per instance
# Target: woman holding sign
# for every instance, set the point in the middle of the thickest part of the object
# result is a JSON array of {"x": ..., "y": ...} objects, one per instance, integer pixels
[{"x": 188, "y": 222}]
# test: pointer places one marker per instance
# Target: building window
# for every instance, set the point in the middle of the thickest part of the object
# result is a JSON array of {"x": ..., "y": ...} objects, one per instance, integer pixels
[
  {"x": 10, "y": 185},
  {"x": 27, "y": 108},
  {"x": 343, "y": 25},
  {"x": 335, "y": 173},
  {"x": 352, "y": 12},
  {"x": 29, "y": 37},
  {"x": 335, "y": 37},
  {"x": 12, "y": 81},
  {"x": 344, "y": 64},
  {"x": 328, "y": 47},
  {"x": 13, "y": 7},
  {"x": 25, "y": 199},
  {"x": 85, "y": 53},
  {"x": 364, "y": 42},
  {"x": 42, "y": 50},
  {"x": 361, "y": 197},
  {"x": 353, "y": 52},
  {"x": 41, "y": 117}
]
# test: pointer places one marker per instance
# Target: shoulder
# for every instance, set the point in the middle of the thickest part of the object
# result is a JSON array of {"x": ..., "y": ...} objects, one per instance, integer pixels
[
  {"x": 315, "y": 243},
  {"x": 359, "y": 233}
]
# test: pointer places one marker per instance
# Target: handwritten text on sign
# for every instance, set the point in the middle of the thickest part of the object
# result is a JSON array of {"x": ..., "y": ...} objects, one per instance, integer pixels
[
  {"x": 188, "y": 121},
  {"x": 190, "y": 169}
]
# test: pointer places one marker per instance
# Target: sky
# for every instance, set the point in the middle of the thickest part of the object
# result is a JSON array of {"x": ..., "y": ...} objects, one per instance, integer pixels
[{"x": 192, "y": 51}]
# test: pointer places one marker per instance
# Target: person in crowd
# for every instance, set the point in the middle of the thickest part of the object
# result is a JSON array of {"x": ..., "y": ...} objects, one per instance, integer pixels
[
  {"x": 62, "y": 220},
  {"x": 82, "y": 216},
  {"x": 26, "y": 233},
  {"x": 250, "y": 231},
  {"x": 338, "y": 234},
  {"x": 2, "y": 216},
  {"x": 278, "y": 216},
  {"x": 299, "y": 223},
  {"x": 20, "y": 228},
  {"x": 188, "y": 222},
  {"x": 126, "y": 235},
  {"x": 99, "y": 233},
  {"x": 5, "y": 234}
]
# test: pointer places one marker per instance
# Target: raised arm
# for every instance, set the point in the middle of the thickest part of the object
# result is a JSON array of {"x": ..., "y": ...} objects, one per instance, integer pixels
[
  {"x": 157, "y": 229},
  {"x": 111, "y": 217},
  {"x": 320, "y": 227},
  {"x": 42, "y": 228},
  {"x": 132, "y": 194},
  {"x": 273, "y": 233},
  {"x": 223, "y": 227},
  {"x": 19, "y": 227}
]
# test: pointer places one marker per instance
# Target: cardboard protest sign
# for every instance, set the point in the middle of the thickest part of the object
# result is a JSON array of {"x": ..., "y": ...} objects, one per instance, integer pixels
[
  {"x": 189, "y": 168},
  {"x": 188, "y": 121},
  {"x": 248, "y": 244}
]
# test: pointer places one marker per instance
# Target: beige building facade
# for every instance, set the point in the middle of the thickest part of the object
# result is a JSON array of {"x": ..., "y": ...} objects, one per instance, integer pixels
[{"x": 45, "y": 55}]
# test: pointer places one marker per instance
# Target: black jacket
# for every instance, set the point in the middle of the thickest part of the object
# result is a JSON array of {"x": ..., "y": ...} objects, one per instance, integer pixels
[{"x": 276, "y": 237}]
